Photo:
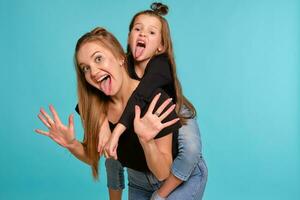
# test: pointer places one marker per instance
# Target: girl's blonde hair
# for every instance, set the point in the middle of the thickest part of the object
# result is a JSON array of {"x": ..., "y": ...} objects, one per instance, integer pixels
[
  {"x": 92, "y": 103},
  {"x": 158, "y": 10}
]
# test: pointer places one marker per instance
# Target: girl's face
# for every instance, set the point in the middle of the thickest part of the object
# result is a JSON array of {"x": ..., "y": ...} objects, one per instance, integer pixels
[
  {"x": 100, "y": 67},
  {"x": 145, "y": 37}
]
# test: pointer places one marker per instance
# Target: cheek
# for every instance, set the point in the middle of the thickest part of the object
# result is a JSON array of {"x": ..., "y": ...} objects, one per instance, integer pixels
[
  {"x": 88, "y": 79},
  {"x": 131, "y": 38},
  {"x": 130, "y": 42}
]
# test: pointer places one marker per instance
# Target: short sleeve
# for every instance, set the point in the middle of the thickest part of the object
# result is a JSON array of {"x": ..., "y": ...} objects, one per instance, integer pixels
[{"x": 77, "y": 109}]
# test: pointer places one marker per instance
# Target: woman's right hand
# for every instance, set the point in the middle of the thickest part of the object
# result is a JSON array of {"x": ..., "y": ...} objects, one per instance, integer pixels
[{"x": 57, "y": 131}]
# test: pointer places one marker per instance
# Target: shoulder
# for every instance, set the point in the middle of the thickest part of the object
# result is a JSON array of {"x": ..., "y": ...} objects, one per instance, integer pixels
[
  {"x": 163, "y": 95},
  {"x": 159, "y": 59}
]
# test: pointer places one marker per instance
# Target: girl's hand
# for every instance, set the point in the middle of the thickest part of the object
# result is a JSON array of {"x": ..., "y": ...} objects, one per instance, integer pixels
[
  {"x": 104, "y": 136},
  {"x": 151, "y": 124},
  {"x": 57, "y": 131},
  {"x": 111, "y": 147}
]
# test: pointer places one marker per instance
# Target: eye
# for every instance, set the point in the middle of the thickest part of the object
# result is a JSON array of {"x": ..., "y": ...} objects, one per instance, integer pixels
[
  {"x": 152, "y": 32},
  {"x": 98, "y": 59},
  {"x": 137, "y": 29},
  {"x": 85, "y": 69}
]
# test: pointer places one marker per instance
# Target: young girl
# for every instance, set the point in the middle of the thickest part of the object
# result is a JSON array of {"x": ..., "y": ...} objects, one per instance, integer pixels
[{"x": 151, "y": 60}]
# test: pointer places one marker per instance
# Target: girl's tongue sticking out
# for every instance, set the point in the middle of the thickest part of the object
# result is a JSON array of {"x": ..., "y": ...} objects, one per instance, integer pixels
[{"x": 139, "y": 49}]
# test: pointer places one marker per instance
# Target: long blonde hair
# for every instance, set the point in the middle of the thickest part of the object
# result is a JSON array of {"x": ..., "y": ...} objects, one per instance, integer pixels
[
  {"x": 158, "y": 10},
  {"x": 92, "y": 103}
]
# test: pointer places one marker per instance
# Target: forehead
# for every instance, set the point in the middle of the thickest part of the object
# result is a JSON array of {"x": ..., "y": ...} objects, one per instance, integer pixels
[
  {"x": 89, "y": 48},
  {"x": 148, "y": 20}
]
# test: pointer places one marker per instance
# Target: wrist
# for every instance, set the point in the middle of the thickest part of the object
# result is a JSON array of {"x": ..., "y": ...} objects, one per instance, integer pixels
[
  {"x": 144, "y": 140},
  {"x": 156, "y": 196},
  {"x": 161, "y": 194},
  {"x": 71, "y": 144}
]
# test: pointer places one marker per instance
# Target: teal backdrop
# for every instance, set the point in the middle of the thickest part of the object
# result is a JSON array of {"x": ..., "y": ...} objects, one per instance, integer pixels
[{"x": 238, "y": 62}]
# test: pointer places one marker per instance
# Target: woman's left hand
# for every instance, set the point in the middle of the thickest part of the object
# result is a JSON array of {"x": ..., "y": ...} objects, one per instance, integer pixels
[{"x": 151, "y": 124}]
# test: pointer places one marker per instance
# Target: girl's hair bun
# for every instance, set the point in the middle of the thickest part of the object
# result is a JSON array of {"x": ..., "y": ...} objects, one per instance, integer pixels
[{"x": 159, "y": 8}]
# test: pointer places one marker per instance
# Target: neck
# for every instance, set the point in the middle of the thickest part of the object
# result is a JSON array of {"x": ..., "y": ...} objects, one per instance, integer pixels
[
  {"x": 128, "y": 86},
  {"x": 140, "y": 67}
]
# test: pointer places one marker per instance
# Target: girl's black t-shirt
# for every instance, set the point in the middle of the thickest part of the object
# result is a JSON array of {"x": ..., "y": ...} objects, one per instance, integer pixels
[{"x": 158, "y": 74}]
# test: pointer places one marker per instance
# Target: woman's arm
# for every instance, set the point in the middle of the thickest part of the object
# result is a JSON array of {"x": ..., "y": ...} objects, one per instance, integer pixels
[
  {"x": 62, "y": 134},
  {"x": 158, "y": 152},
  {"x": 158, "y": 155}
]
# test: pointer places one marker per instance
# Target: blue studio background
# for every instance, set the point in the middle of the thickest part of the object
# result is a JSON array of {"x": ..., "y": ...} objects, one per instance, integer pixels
[{"x": 238, "y": 62}]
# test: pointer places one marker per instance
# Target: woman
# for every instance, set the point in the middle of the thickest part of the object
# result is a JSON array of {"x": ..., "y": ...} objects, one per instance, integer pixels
[{"x": 104, "y": 88}]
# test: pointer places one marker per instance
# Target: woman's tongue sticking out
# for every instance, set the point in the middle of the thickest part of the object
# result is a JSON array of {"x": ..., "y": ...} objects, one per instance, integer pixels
[{"x": 106, "y": 85}]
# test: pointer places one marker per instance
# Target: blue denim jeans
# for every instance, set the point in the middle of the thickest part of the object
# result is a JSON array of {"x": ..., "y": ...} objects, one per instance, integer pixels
[
  {"x": 189, "y": 148},
  {"x": 142, "y": 185},
  {"x": 188, "y": 166},
  {"x": 115, "y": 174},
  {"x": 194, "y": 187}
]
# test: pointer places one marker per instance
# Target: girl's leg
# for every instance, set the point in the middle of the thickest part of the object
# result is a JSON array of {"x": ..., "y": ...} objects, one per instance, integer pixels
[
  {"x": 185, "y": 166},
  {"x": 194, "y": 187},
  {"x": 115, "y": 179},
  {"x": 189, "y": 148}
]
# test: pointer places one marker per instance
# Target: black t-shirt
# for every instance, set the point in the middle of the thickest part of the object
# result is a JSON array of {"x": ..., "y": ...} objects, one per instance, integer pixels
[
  {"x": 130, "y": 152},
  {"x": 158, "y": 74}
]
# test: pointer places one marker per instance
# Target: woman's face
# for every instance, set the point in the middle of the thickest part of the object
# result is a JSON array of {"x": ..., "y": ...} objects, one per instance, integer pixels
[
  {"x": 145, "y": 37},
  {"x": 100, "y": 67}
]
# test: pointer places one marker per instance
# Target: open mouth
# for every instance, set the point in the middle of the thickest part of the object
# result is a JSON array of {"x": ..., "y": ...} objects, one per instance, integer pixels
[
  {"x": 140, "y": 46},
  {"x": 105, "y": 83},
  {"x": 103, "y": 78}
]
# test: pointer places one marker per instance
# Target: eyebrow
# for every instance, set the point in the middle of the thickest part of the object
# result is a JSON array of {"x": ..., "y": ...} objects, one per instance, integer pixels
[
  {"x": 142, "y": 24},
  {"x": 95, "y": 53},
  {"x": 80, "y": 64}
]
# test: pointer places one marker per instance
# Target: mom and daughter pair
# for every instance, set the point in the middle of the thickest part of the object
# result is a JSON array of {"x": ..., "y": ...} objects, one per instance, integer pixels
[{"x": 133, "y": 111}]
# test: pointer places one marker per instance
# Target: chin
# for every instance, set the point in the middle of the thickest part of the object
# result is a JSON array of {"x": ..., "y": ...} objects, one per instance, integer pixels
[{"x": 142, "y": 59}]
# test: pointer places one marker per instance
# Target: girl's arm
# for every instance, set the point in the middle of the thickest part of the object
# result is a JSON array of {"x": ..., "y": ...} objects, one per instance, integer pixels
[
  {"x": 157, "y": 75},
  {"x": 62, "y": 134}
]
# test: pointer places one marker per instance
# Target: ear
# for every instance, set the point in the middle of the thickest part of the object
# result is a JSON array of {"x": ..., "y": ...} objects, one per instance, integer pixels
[
  {"x": 121, "y": 62},
  {"x": 160, "y": 48}
]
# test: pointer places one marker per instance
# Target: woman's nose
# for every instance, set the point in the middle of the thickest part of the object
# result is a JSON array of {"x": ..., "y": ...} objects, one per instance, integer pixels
[{"x": 94, "y": 71}]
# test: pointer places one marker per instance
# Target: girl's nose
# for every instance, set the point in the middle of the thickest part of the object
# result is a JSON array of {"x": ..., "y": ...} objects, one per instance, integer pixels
[{"x": 142, "y": 33}]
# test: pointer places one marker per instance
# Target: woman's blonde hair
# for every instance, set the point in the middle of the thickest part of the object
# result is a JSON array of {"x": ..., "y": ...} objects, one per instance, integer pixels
[
  {"x": 158, "y": 10},
  {"x": 92, "y": 103}
]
